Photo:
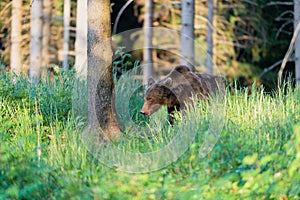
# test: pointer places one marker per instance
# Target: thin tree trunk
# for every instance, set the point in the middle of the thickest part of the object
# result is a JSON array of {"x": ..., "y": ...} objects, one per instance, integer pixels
[
  {"x": 81, "y": 36},
  {"x": 288, "y": 54},
  {"x": 47, "y": 9},
  {"x": 100, "y": 82},
  {"x": 147, "y": 51},
  {"x": 16, "y": 31},
  {"x": 187, "y": 33},
  {"x": 67, "y": 9},
  {"x": 209, "y": 37},
  {"x": 35, "y": 41},
  {"x": 297, "y": 42}
]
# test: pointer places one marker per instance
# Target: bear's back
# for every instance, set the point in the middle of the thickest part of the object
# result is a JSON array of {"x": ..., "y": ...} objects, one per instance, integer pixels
[
  {"x": 182, "y": 69},
  {"x": 212, "y": 83}
]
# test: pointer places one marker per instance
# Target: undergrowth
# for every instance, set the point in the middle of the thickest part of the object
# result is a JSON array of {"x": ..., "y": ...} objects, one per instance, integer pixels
[{"x": 42, "y": 154}]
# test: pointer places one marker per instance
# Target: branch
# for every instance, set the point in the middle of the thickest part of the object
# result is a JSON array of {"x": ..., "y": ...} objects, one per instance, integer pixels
[
  {"x": 5, "y": 8},
  {"x": 266, "y": 70},
  {"x": 282, "y": 27},
  {"x": 119, "y": 16},
  {"x": 280, "y": 17},
  {"x": 250, "y": 2},
  {"x": 288, "y": 54},
  {"x": 235, "y": 44},
  {"x": 170, "y": 3},
  {"x": 233, "y": 6},
  {"x": 280, "y": 3}
]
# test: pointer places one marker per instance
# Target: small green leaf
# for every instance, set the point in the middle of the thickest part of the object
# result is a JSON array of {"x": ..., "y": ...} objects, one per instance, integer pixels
[
  {"x": 13, "y": 191},
  {"x": 266, "y": 159},
  {"x": 293, "y": 167},
  {"x": 249, "y": 160}
]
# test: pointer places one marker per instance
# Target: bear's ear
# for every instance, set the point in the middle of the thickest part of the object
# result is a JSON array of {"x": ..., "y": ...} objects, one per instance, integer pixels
[
  {"x": 168, "y": 82},
  {"x": 151, "y": 81}
]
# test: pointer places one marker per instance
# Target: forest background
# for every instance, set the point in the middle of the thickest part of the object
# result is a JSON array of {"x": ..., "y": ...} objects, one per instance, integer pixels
[{"x": 249, "y": 37}]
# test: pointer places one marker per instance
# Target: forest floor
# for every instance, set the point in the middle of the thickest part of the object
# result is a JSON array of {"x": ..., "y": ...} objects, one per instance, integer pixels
[{"x": 42, "y": 154}]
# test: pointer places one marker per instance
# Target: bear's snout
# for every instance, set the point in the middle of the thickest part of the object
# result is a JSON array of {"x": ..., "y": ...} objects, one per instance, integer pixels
[
  {"x": 145, "y": 110},
  {"x": 143, "y": 113},
  {"x": 149, "y": 109}
]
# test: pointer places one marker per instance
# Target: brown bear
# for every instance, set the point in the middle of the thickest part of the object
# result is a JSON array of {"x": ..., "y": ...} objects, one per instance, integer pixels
[{"x": 177, "y": 88}]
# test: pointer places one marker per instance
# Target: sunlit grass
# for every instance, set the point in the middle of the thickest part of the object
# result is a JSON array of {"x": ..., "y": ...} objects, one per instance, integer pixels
[{"x": 260, "y": 139}]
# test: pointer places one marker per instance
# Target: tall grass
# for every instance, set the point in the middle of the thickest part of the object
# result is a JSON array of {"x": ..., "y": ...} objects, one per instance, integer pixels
[{"x": 255, "y": 156}]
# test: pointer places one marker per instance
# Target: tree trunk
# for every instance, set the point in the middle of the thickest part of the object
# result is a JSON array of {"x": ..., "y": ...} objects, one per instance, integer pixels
[
  {"x": 35, "y": 41},
  {"x": 147, "y": 51},
  {"x": 187, "y": 33},
  {"x": 47, "y": 9},
  {"x": 209, "y": 37},
  {"x": 67, "y": 9},
  {"x": 16, "y": 31},
  {"x": 100, "y": 82},
  {"x": 297, "y": 42},
  {"x": 81, "y": 35}
]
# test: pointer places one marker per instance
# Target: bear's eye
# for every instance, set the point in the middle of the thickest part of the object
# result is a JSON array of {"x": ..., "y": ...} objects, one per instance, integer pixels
[{"x": 149, "y": 99}]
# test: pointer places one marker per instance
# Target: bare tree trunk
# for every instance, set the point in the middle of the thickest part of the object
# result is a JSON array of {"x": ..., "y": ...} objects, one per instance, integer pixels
[
  {"x": 81, "y": 35},
  {"x": 288, "y": 55},
  {"x": 147, "y": 51},
  {"x": 100, "y": 82},
  {"x": 16, "y": 31},
  {"x": 209, "y": 37},
  {"x": 187, "y": 33},
  {"x": 297, "y": 42},
  {"x": 35, "y": 41},
  {"x": 67, "y": 10},
  {"x": 47, "y": 9}
]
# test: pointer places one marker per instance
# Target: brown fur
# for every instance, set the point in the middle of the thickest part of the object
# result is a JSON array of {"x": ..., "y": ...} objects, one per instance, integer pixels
[{"x": 177, "y": 88}]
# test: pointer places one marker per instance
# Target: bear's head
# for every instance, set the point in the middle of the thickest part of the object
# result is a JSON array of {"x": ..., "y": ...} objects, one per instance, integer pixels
[{"x": 157, "y": 94}]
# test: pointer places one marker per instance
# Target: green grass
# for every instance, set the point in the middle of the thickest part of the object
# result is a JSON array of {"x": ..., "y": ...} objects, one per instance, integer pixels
[{"x": 43, "y": 154}]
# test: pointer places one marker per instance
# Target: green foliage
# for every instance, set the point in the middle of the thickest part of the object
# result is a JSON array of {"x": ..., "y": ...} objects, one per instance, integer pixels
[
  {"x": 135, "y": 104},
  {"x": 53, "y": 97},
  {"x": 122, "y": 62},
  {"x": 256, "y": 156}
]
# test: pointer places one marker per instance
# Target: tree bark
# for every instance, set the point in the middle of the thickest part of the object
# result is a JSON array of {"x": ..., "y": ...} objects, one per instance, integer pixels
[
  {"x": 47, "y": 9},
  {"x": 100, "y": 82},
  {"x": 147, "y": 51},
  {"x": 35, "y": 41},
  {"x": 187, "y": 33},
  {"x": 67, "y": 9},
  {"x": 209, "y": 37},
  {"x": 16, "y": 31},
  {"x": 81, "y": 35},
  {"x": 297, "y": 42}
]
